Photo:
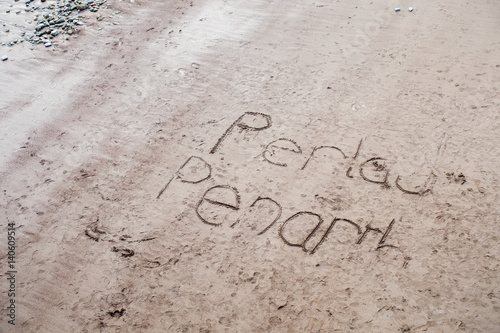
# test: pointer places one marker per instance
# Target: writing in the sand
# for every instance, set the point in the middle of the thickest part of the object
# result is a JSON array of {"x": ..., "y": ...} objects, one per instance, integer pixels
[{"x": 304, "y": 229}]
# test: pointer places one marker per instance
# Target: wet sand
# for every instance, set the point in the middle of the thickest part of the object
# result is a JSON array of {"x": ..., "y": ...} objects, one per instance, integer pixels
[{"x": 256, "y": 166}]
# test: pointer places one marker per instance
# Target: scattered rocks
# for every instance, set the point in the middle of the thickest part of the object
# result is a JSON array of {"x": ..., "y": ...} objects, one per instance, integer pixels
[{"x": 60, "y": 18}]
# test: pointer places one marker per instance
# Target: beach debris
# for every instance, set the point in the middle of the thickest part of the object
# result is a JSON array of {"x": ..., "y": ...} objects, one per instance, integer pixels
[
  {"x": 397, "y": 9},
  {"x": 4, "y": 58},
  {"x": 410, "y": 9},
  {"x": 64, "y": 17}
]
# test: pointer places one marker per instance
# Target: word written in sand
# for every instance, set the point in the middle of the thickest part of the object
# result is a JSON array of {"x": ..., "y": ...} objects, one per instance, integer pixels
[{"x": 304, "y": 229}]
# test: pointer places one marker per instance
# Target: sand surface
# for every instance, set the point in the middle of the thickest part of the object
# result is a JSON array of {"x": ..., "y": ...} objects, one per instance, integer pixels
[{"x": 255, "y": 166}]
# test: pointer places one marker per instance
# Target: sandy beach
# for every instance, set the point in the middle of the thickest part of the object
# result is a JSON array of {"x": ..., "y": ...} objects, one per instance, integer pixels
[{"x": 252, "y": 166}]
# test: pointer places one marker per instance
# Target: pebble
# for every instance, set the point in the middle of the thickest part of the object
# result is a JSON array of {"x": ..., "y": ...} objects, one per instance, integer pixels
[
  {"x": 4, "y": 58},
  {"x": 410, "y": 9},
  {"x": 48, "y": 44}
]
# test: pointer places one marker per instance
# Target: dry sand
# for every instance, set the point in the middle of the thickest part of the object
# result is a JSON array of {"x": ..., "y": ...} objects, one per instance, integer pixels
[{"x": 390, "y": 226}]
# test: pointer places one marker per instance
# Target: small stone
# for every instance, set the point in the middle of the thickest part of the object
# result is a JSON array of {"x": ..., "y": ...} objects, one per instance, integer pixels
[
  {"x": 43, "y": 32},
  {"x": 7, "y": 11},
  {"x": 397, "y": 9},
  {"x": 410, "y": 9},
  {"x": 48, "y": 43},
  {"x": 18, "y": 12},
  {"x": 54, "y": 32},
  {"x": 4, "y": 58},
  {"x": 70, "y": 31}
]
